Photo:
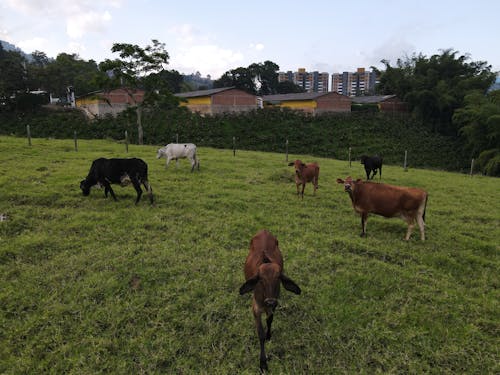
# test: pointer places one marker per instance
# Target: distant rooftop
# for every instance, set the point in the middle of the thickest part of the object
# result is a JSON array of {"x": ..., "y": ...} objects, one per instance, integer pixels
[
  {"x": 193, "y": 94},
  {"x": 371, "y": 99}
]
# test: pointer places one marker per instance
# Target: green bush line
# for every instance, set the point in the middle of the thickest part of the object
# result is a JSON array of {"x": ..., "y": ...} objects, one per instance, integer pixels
[{"x": 329, "y": 135}]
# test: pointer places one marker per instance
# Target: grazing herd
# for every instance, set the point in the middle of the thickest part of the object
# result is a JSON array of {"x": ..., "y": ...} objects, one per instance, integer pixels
[{"x": 263, "y": 267}]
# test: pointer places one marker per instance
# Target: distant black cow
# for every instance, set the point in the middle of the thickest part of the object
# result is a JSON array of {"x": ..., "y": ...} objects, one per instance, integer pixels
[
  {"x": 372, "y": 163},
  {"x": 105, "y": 172}
]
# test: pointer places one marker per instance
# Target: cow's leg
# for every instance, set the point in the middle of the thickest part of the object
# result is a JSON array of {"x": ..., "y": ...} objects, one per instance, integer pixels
[
  {"x": 367, "y": 173},
  {"x": 269, "y": 321},
  {"x": 137, "y": 187},
  {"x": 107, "y": 187},
  {"x": 411, "y": 225},
  {"x": 193, "y": 164},
  {"x": 374, "y": 173},
  {"x": 168, "y": 161},
  {"x": 364, "y": 217},
  {"x": 297, "y": 184},
  {"x": 421, "y": 226},
  {"x": 303, "y": 187},
  {"x": 380, "y": 173},
  {"x": 176, "y": 162},
  {"x": 149, "y": 189},
  {"x": 262, "y": 340},
  {"x": 315, "y": 185}
]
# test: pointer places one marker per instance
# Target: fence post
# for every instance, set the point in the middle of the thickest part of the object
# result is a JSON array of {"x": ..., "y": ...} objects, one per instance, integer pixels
[
  {"x": 29, "y": 134},
  {"x": 286, "y": 149},
  {"x": 177, "y": 138},
  {"x": 126, "y": 141},
  {"x": 471, "y": 167},
  {"x": 349, "y": 157},
  {"x": 406, "y": 158},
  {"x": 234, "y": 146},
  {"x": 76, "y": 142}
]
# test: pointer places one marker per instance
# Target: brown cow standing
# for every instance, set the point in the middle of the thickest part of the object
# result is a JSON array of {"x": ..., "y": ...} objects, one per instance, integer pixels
[
  {"x": 263, "y": 274},
  {"x": 305, "y": 173},
  {"x": 389, "y": 201}
]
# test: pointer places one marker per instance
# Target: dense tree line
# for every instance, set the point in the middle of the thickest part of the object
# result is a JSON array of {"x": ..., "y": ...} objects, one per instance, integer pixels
[{"x": 447, "y": 93}]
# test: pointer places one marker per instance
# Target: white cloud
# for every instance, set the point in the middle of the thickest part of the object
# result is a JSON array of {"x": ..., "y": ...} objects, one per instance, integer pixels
[
  {"x": 78, "y": 25},
  {"x": 35, "y": 44},
  {"x": 257, "y": 46},
  {"x": 214, "y": 60},
  {"x": 77, "y": 48}
]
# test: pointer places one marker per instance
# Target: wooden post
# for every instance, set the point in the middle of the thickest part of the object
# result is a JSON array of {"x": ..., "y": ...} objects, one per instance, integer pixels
[
  {"x": 286, "y": 150},
  {"x": 177, "y": 138},
  {"x": 406, "y": 158},
  {"x": 29, "y": 134},
  {"x": 234, "y": 146},
  {"x": 76, "y": 142},
  {"x": 471, "y": 167},
  {"x": 126, "y": 141},
  {"x": 349, "y": 157}
]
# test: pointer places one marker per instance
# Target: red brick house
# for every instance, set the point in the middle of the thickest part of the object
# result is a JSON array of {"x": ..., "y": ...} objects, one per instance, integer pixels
[
  {"x": 226, "y": 99},
  {"x": 101, "y": 103}
]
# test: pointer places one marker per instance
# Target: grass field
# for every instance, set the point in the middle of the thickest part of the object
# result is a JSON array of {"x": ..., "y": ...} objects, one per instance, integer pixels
[{"x": 89, "y": 285}]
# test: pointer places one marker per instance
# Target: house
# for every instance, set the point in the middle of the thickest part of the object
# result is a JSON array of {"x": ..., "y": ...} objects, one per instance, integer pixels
[
  {"x": 100, "y": 103},
  {"x": 385, "y": 103},
  {"x": 220, "y": 100},
  {"x": 310, "y": 102}
]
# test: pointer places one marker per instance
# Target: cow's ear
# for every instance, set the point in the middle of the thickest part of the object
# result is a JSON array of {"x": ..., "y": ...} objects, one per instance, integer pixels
[
  {"x": 249, "y": 285},
  {"x": 290, "y": 164},
  {"x": 358, "y": 181},
  {"x": 302, "y": 165},
  {"x": 289, "y": 284},
  {"x": 340, "y": 181}
]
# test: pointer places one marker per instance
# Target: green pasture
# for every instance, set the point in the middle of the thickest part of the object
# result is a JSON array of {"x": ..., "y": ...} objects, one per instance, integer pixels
[{"x": 90, "y": 286}]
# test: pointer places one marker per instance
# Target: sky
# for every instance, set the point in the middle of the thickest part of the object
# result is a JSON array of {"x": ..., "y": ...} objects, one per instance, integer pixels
[{"x": 214, "y": 37}]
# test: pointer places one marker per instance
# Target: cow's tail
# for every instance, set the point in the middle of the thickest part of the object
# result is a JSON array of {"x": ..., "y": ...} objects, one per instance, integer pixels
[{"x": 425, "y": 206}]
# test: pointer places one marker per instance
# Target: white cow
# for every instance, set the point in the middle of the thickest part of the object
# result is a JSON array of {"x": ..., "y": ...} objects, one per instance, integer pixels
[{"x": 179, "y": 151}]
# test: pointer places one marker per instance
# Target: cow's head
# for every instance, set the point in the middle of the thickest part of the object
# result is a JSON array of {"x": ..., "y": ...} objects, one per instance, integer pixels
[
  {"x": 85, "y": 186},
  {"x": 363, "y": 159},
  {"x": 266, "y": 284},
  {"x": 349, "y": 183},
  {"x": 160, "y": 153},
  {"x": 298, "y": 165}
]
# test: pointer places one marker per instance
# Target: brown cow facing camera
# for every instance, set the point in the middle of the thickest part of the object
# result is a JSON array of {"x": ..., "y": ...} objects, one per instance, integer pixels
[
  {"x": 305, "y": 173},
  {"x": 389, "y": 201},
  {"x": 263, "y": 275}
]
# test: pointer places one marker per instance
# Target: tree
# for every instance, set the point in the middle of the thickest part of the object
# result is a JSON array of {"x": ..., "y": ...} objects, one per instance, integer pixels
[
  {"x": 435, "y": 87},
  {"x": 288, "y": 87},
  {"x": 479, "y": 124},
  {"x": 12, "y": 73},
  {"x": 139, "y": 68},
  {"x": 241, "y": 78},
  {"x": 55, "y": 76},
  {"x": 257, "y": 78},
  {"x": 266, "y": 77}
]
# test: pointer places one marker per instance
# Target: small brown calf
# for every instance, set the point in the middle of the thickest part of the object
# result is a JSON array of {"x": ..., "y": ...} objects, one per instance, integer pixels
[
  {"x": 305, "y": 173},
  {"x": 263, "y": 275}
]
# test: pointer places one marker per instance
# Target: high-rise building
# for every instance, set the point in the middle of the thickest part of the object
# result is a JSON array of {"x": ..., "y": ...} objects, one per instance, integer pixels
[
  {"x": 309, "y": 81},
  {"x": 358, "y": 83}
]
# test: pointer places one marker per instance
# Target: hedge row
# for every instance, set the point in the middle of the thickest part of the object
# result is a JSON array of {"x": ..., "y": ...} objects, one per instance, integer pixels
[{"x": 264, "y": 130}]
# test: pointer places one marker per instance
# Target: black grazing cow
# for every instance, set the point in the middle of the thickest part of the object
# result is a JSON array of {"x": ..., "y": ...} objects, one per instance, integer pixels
[
  {"x": 105, "y": 172},
  {"x": 372, "y": 163}
]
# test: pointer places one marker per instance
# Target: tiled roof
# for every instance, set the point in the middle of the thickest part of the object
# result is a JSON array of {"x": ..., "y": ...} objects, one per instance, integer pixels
[
  {"x": 193, "y": 94},
  {"x": 371, "y": 99},
  {"x": 294, "y": 96}
]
